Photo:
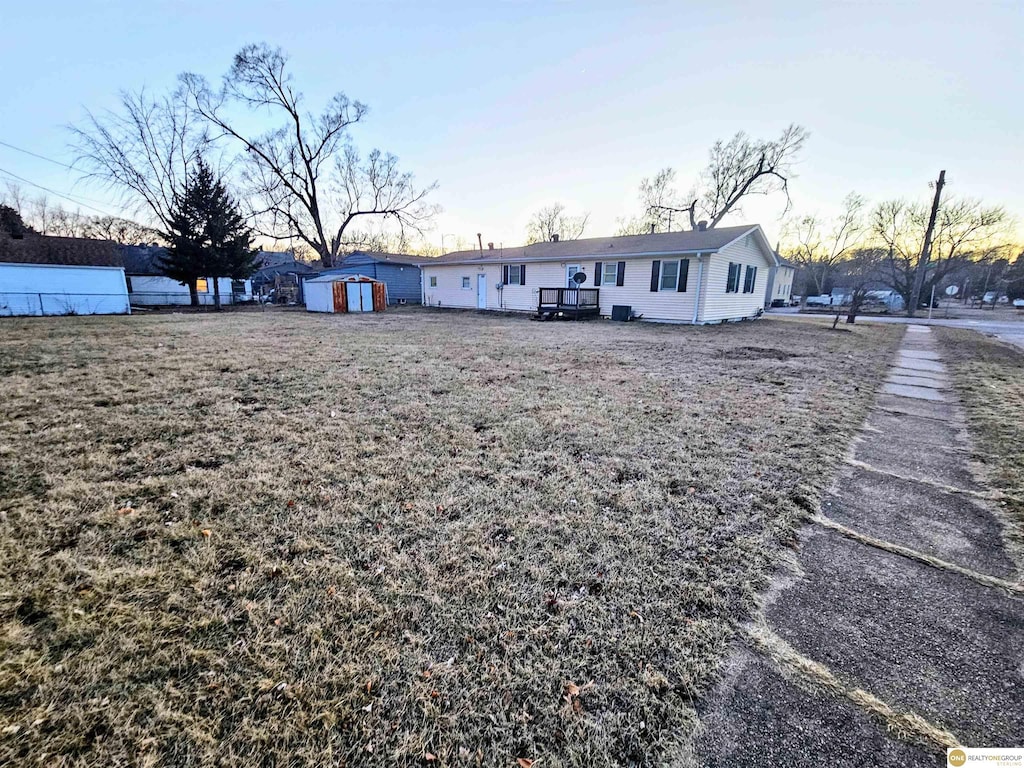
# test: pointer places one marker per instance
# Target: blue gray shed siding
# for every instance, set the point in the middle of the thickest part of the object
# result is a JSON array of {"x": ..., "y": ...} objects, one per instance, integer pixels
[{"x": 402, "y": 280}]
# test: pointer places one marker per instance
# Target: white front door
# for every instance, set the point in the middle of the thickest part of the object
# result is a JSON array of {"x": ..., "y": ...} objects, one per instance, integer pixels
[
  {"x": 571, "y": 297},
  {"x": 481, "y": 291},
  {"x": 571, "y": 270}
]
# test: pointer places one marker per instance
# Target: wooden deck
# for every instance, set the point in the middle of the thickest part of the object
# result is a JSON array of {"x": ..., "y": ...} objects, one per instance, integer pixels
[{"x": 568, "y": 303}]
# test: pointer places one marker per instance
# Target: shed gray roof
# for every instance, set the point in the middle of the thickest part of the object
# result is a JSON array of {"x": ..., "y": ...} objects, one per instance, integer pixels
[{"x": 694, "y": 241}]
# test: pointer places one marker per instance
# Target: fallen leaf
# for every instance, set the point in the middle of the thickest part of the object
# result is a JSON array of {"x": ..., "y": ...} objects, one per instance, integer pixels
[
  {"x": 291, "y": 503},
  {"x": 429, "y": 757},
  {"x": 524, "y": 762},
  {"x": 125, "y": 511},
  {"x": 207, "y": 532},
  {"x": 572, "y": 689},
  {"x": 691, "y": 490},
  {"x": 332, "y": 591}
]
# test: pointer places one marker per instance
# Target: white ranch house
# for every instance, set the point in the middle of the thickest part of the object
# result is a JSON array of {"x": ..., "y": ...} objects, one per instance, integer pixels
[{"x": 701, "y": 276}]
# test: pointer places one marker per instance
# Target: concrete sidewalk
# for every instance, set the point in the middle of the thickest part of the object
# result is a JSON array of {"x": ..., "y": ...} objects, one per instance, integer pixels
[{"x": 903, "y": 630}]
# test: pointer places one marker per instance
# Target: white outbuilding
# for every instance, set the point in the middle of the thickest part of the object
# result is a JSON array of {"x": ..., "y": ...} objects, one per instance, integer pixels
[
  {"x": 61, "y": 276},
  {"x": 345, "y": 293}
]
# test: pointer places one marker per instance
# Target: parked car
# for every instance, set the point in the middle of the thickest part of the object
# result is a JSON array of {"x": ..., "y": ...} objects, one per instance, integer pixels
[
  {"x": 1018, "y": 303},
  {"x": 824, "y": 300}
]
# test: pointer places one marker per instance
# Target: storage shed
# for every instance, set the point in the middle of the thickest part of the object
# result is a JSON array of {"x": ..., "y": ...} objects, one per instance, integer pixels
[{"x": 345, "y": 293}]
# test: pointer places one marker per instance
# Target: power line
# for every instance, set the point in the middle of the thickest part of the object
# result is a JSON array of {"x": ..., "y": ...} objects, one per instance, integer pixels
[
  {"x": 70, "y": 199},
  {"x": 41, "y": 157}
]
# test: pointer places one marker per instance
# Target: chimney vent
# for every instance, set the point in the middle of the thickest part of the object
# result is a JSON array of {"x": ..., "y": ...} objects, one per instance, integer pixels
[
  {"x": 702, "y": 225},
  {"x": 490, "y": 246},
  {"x": 480, "y": 241},
  {"x": 652, "y": 227},
  {"x": 554, "y": 238}
]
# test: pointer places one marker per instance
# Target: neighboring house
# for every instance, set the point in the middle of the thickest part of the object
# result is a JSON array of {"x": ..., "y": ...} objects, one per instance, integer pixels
[
  {"x": 42, "y": 275},
  {"x": 282, "y": 273},
  {"x": 701, "y": 276},
  {"x": 399, "y": 272},
  {"x": 148, "y": 287},
  {"x": 779, "y": 285}
]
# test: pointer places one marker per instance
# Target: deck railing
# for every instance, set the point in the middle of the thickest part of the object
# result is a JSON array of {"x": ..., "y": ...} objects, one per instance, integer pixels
[
  {"x": 570, "y": 302},
  {"x": 551, "y": 298}
]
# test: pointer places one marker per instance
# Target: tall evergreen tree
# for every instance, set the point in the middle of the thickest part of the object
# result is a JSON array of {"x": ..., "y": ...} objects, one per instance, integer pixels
[{"x": 208, "y": 236}]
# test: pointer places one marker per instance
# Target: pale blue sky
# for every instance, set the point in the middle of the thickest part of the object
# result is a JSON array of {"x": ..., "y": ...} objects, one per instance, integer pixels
[{"x": 513, "y": 105}]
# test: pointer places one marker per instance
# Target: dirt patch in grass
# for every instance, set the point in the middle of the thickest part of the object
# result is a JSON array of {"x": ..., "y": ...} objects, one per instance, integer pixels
[
  {"x": 410, "y": 539},
  {"x": 989, "y": 377}
]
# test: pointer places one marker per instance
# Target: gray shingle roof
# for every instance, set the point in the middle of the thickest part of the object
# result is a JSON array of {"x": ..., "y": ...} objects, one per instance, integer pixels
[
  {"x": 141, "y": 259},
  {"x": 402, "y": 259},
  {"x": 597, "y": 247},
  {"x": 67, "y": 251}
]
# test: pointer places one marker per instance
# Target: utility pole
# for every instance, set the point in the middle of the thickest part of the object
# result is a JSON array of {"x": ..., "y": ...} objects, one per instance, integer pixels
[{"x": 926, "y": 248}]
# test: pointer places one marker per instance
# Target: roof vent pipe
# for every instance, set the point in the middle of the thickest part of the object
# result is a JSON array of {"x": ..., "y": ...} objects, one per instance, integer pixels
[
  {"x": 652, "y": 227},
  {"x": 702, "y": 225},
  {"x": 480, "y": 241},
  {"x": 490, "y": 246},
  {"x": 554, "y": 238}
]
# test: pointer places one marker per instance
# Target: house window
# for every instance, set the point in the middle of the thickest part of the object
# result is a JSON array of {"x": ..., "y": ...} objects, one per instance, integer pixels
[
  {"x": 732, "y": 283},
  {"x": 749, "y": 279},
  {"x": 238, "y": 286},
  {"x": 669, "y": 275},
  {"x": 513, "y": 274},
  {"x": 202, "y": 286},
  {"x": 433, "y": 281},
  {"x": 610, "y": 273},
  {"x": 465, "y": 283}
]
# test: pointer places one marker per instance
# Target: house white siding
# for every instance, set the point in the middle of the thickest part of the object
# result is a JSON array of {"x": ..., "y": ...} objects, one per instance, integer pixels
[
  {"x": 717, "y": 304},
  {"x": 635, "y": 290},
  {"x": 50, "y": 289},
  {"x": 155, "y": 290},
  {"x": 704, "y": 299},
  {"x": 780, "y": 284}
]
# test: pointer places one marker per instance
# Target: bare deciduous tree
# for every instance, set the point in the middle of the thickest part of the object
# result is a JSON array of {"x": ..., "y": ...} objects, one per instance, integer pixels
[
  {"x": 305, "y": 177},
  {"x": 818, "y": 245},
  {"x": 145, "y": 151},
  {"x": 964, "y": 228},
  {"x": 552, "y": 220},
  {"x": 118, "y": 230},
  {"x": 736, "y": 169}
]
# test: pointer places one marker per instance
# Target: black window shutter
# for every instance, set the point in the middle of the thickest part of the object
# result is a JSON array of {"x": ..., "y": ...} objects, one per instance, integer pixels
[
  {"x": 753, "y": 280},
  {"x": 620, "y": 273},
  {"x": 655, "y": 275},
  {"x": 522, "y": 274},
  {"x": 684, "y": 272},
  {"x": 597, "y": 273},
  {"x": 504, "y": 274}
]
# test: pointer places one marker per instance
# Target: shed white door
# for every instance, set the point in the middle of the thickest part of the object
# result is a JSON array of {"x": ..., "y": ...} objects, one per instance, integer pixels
[
  {"x": 359, "y": 296},
  {"x": 481, "y": 291}
]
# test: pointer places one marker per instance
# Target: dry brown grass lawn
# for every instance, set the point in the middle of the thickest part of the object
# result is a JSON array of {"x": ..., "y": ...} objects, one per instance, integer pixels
[
  {"x": 422, "y": 538},
  {"x": 989, "y": 377}
]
